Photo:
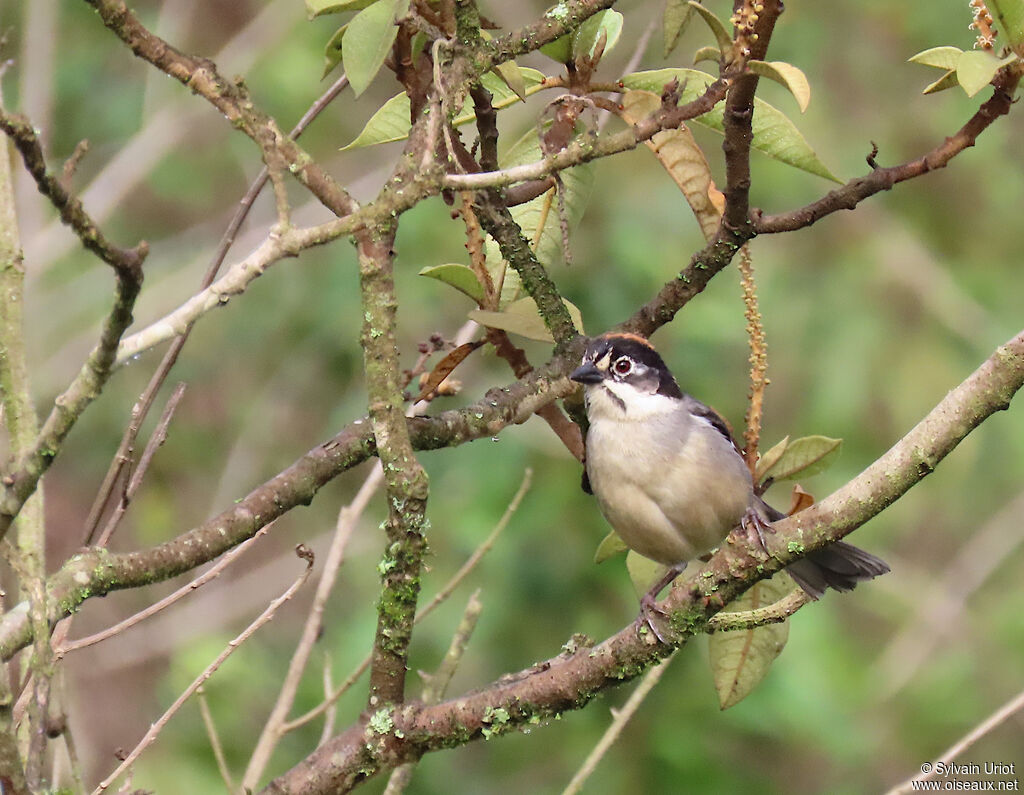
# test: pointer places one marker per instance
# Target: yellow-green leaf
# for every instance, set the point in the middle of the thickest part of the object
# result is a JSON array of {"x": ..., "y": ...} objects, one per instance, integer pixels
[
  {"x": 975, "y": 69},
  {"x": 948, "y": 80},
  {"x": 1010, "y": 14},
  {"x": 741, "y": 658},
  {"x": 610, "y": 546},
  {"x": 559, "y": 50},
  {"x": 681, "y": 157},
  {"x": 806, "y": 456},
  {"x": 674, "y": 21},
  {"x": 512, "y": 76},
  {"x": 368, "y": 41},
  {"x": 707, "y": 54},
  {"x": 716, "y": 25},
  {"x": 458, "y": 276},
  {"x": 316, "y": 8},
  {"x": 938, "y": 57},
  {"x": 523, "y": 318},
  {"x": 333, "y": 50},
  {"x": 391, "y": 122},
  {"x": 787, "y": 75},
  {"x": 769, "y": 459},
  {"x": 607, "y": 23},
  {"x": 643, "y": 572},
  {"x": 774, "y": 134}
]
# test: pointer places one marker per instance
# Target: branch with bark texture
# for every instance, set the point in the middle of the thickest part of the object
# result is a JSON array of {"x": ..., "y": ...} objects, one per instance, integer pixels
[
  {"x": 569, "y": 681},
  {"x": 35, "y": 457}
]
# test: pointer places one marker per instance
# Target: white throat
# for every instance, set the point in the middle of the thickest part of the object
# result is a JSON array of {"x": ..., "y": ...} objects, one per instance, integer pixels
[{"x": 623, "y": 402}]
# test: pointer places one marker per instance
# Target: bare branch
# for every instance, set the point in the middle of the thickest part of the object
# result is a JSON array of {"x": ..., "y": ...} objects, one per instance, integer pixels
[
  {"x": 620, "y": 718},
  {"x": 996, "y": 719},
  {"x": 570, "y": 681},
  {"x": 23, "y": 134},
  {"x": 200, "y": 76},
  {"x": 589, "y": 148},
  {"x": 856, "y": 190},
  {"x": 233, "y": 645}
]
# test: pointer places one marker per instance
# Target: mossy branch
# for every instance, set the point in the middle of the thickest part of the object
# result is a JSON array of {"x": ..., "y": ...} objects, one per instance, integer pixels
[{"x": 571, "y": 680}]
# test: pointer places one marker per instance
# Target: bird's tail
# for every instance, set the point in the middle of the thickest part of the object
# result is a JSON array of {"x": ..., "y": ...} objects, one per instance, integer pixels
[{"x": 839, "y": 565}]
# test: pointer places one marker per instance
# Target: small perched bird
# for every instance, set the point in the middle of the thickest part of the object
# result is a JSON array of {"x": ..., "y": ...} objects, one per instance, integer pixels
[{"x": 668, "y": 476}]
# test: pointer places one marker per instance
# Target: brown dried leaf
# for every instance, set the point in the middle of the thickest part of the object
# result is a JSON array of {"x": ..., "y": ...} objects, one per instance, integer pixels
[{"x": 444, "y": 368}]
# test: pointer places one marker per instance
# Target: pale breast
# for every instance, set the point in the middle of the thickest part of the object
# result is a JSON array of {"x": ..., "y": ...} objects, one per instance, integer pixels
[{"x": 656, "y": 484}]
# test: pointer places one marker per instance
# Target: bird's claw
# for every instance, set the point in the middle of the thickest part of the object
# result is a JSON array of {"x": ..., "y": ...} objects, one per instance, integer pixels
[
  {"x": 755, "y": 527},
  {"x": 651, "y": 616}
]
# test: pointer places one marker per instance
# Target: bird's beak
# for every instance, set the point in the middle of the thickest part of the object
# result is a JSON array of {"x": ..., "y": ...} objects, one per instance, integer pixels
[{"x": 587, "y": 374}]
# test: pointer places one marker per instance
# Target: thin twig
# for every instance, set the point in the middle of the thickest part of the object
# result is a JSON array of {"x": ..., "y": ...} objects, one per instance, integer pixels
[
  {"x": 156, "y": 439},
  {"x": 23, "y": 134},
  {"x": 619, "y": 720},
  {"x": 774, "y": 613},
  {"x": 274, "y": 728},
  {"x": 210, "y": 574},
  {"x": 332, "y": 714},
  {"x": 436, "y": 684},
  {"x": 144, "y": 404},
  {"x": 440, "y": 597},
  {"x": 1000, "y": 716},
  {"x": 214, "y": 738},
  {"x": 241, "y": 638}
]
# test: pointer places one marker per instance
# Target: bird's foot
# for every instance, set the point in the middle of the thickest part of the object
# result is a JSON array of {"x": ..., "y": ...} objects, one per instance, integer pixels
[
  {"x": 653, "y": 618},
  {"x": 651, "y": 615},
  {"x": 755, "y": 526}
]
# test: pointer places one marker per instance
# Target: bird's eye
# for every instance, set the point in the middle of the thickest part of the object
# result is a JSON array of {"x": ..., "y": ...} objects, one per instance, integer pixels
[{"x": 622, "y": 366}]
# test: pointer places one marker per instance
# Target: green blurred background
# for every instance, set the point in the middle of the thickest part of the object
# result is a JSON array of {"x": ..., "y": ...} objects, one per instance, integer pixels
[{"x": 871, "y": 317}]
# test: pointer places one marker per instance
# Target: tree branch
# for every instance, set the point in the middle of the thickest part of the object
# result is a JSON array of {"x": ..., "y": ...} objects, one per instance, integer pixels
[
  {"x": 589, "y": 148},
  {"x": 569, "y": 681},
  {"x": 856, "y": 190},
  {"x": 405, "y": 479},
  {"x": 200, "y": 76}
]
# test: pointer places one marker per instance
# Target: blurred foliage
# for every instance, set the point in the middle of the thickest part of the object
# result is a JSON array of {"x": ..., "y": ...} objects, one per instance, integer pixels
[{"x": 871, "y": 317}]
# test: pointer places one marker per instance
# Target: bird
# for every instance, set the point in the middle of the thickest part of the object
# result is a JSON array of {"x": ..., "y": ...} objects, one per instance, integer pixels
[{"x": 669, "y": 477}]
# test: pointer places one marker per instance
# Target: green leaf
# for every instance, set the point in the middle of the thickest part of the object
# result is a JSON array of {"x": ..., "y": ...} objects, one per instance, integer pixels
[
  {"x": 674, "y": 20},
  {"x": 458, "y": 276},
  {"x": 681, "y": 157},
  {"x": 332, "y": 52},
  {"x": 608, "y": 23},
  {"x": 786, "y": 75},
  {"x": 559, "y": 50},
  {"x": 774, "y": 134},
  {"x": 643, "y": 572},
  {"x": 391, "y": 122},
  {"x": 769, "y": 459},
  {"x": 722, "y": 35},
  {"x": 948, "y": 80},
  {"x": 317, "y": 8},
  {"x": 741, "y": 658},
  {"x": 975, "y": 69},
  {"x": 512, "y": 76},
  {"x": 938, "y": 57},
  {"x": 609, "y": 547},
  {"x": 1010, "y": 14},
  {"x": 707, "y": 54},
  {"x": 368, "y": 41},
  {"x": 523, "y": 318},
  {"x": 806, "y": 456}
]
